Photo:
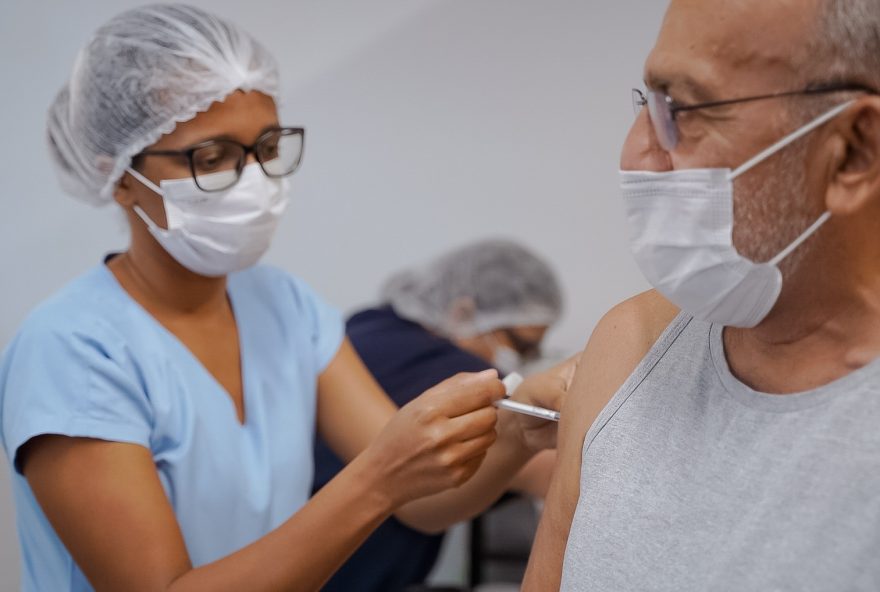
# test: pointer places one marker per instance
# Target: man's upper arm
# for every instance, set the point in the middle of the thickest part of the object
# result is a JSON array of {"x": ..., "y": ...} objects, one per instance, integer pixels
[{"x": 618, "y": 344}]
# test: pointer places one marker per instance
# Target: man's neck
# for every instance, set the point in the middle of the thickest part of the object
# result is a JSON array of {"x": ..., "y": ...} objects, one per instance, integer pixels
[{"x": 819, "y": 331}]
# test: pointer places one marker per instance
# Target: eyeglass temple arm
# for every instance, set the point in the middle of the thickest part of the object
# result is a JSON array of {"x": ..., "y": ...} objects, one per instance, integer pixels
[
  {"x": 248, "y": 149},
  {"x": 808, "y": 91},
  {"x": 166, "y": 152}
]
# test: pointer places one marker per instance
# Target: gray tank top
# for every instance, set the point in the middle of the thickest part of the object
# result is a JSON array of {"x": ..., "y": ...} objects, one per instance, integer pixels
[{"x": 692, "y": 481}]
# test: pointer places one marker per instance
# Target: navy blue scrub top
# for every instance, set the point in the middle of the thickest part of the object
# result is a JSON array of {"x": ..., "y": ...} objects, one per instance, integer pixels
[{"x": 406, "y": 360}]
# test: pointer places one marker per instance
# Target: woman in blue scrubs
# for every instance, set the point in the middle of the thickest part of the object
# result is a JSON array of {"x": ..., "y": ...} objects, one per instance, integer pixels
[{"x": 159, "y": 411}]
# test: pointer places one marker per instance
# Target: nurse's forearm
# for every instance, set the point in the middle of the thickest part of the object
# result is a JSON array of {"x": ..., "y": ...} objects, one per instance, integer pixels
[
  {"x": 438, "y": 512},
  {"x": 305, "y": 551}
]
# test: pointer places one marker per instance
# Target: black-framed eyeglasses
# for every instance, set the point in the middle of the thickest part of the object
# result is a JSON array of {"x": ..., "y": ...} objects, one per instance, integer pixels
[
  {"x": 663, "y": 110},
  {"x": 216, "y": 165}
]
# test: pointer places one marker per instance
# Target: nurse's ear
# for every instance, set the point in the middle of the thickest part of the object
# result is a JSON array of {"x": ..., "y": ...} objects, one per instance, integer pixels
[
  {"x": 124, "y": 193},
  {"x": 130, "y": 192},
  {"x": 459, "y": 317},
  {"x": 461, "y": 312}
]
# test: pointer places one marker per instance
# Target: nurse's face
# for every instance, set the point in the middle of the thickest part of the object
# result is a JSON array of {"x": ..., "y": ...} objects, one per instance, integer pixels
[{"x": 242, "y": 117}]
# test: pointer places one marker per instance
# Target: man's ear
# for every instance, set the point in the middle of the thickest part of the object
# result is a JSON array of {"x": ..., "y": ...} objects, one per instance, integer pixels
[{"x": 855, "y": 163}]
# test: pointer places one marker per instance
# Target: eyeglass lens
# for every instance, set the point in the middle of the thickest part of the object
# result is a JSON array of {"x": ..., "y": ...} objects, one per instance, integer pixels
[
  {"x": 218, "y": 165},
  {"x": 660, "y": 114},
  {"x": 662, "y": 119}
]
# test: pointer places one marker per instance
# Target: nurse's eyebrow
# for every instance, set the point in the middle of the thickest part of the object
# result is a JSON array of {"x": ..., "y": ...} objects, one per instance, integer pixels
[{"x": 228, "y": 137}]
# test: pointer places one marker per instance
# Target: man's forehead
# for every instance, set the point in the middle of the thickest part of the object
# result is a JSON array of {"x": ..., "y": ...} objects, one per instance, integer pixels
[{"x": 706, "y": 46}]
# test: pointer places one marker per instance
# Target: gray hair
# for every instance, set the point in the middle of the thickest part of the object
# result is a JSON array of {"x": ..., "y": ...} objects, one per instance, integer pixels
[{"x": 847, "y": 41}]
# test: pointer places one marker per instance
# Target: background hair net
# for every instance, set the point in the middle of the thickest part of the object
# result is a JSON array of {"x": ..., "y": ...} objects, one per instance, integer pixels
[
  {"x": 501, "y": 283},
  {"x": 142, "y": 73}
]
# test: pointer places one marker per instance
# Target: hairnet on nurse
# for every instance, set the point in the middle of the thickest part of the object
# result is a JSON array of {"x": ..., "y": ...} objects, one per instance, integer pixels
[
  {"x": 505, "y": 285},
  {"x": 142, "y": 73}
]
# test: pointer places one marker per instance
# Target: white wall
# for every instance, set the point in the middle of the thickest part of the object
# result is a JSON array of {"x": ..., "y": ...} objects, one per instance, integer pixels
[{"x": 430, "y": 123}]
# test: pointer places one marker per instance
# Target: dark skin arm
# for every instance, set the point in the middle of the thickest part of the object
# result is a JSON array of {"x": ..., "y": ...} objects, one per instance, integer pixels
[
  {"x": 353, "y": 408},
  {"x": 122, "y": 532},
  {"x": 107, "y": 504}
]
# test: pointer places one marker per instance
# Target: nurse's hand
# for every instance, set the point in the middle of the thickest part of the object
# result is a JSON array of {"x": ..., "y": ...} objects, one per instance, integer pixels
[
  {"x": 544, "y": 389},
  {"x": 439, "y": 439}
]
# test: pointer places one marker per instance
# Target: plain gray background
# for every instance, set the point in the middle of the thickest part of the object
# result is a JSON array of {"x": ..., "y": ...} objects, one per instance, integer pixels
[{"x": 430, "y": 123}]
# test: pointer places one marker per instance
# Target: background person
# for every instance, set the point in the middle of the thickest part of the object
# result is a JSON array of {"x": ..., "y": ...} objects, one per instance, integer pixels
[{"x": 488, "y": 304}]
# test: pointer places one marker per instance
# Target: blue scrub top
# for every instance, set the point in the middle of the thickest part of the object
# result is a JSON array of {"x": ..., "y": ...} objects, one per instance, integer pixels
[
  {"x": 406, "y": 360},
  {"x": 91, "y": 362}
]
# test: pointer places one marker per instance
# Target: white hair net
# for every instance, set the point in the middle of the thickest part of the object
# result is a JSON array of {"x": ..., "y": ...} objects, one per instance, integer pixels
[
  {"x": 498, "y": 283},
  {"x": 142, "y": 73}
]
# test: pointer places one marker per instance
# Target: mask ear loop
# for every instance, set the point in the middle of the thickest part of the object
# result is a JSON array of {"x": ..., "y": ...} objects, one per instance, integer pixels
[
  {"x": 764, "y": 155},
  {"x": 800, "y": 240},
  {"x": 137, "y": 209},
  {"x": 144, "y": 181}
]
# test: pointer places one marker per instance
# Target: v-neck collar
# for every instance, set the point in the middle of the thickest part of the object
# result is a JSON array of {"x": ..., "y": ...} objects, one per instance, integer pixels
[{"x": 236, "y": 312}]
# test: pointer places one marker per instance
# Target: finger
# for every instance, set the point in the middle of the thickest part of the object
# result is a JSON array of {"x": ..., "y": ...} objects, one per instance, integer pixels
[
  {"x": 474, "y": 424},
  {"x": 551, "y": 396},
  {"x": 542, "y": 390},
  {"x": 469, "y": 469},
  {"x": 462, "y": 452},
  {"x": 567, "y": 369},
  {"x": 464, "y": 393}
]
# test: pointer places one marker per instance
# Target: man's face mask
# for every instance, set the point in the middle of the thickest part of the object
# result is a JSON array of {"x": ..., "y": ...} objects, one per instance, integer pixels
[{"x": 681, "y": 235}]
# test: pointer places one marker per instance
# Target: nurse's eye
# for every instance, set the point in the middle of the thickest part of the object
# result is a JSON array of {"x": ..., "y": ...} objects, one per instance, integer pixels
[
  {"x": 270, "y": 151},
  {"x": 217, "y": 156},
  {"x": 268, "y": 147}
]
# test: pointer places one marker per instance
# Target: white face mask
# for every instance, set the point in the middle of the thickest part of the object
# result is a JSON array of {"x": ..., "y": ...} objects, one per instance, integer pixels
[
  {"x": 506, "y": 360},
  {"x": 681, "y": 235},
  {"x": 217, "y": 233}
]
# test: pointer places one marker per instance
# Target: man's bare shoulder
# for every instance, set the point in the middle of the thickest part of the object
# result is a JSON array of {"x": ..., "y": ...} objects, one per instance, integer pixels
[
  {"x": 619, "y": 342},
  {"x": 632, "y": 327}
]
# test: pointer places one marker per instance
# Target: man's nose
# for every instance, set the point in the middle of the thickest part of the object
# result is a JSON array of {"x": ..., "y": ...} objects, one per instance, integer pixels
[{"x": 642, "y": 150}]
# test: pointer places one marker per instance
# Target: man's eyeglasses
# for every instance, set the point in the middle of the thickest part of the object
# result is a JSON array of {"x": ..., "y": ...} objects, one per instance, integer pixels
[
  {"x": 663, "y": 110},
  {"x": 216, "y": 165}
]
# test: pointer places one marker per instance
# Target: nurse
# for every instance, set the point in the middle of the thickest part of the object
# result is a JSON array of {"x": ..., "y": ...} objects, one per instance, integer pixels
[{"x": 159, "y": 411}]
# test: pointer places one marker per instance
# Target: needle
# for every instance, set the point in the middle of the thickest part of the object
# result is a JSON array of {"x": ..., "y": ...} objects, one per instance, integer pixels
[{"x": 511, "y": 383}]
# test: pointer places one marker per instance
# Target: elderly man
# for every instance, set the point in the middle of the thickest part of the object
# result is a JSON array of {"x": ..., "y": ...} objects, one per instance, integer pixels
[{"x": 726, "y": 435}]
